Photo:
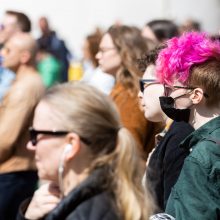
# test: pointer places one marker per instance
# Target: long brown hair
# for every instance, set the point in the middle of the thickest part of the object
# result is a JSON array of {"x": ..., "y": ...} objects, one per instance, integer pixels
[{"x": 131, "y": 46}]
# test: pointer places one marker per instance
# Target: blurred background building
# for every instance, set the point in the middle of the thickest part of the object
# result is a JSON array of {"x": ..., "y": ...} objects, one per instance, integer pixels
[{"x": 73, "y": 20}]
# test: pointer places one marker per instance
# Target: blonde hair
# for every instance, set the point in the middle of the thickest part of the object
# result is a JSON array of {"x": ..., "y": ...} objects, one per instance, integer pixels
[{"x": 93, "y": 116}]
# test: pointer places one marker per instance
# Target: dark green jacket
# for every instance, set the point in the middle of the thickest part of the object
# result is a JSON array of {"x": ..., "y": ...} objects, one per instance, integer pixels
[{"x": 196, "y": 195}]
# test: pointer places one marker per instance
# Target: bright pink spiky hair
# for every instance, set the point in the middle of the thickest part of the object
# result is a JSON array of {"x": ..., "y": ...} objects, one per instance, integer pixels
[{"x": 174, "y": 62}]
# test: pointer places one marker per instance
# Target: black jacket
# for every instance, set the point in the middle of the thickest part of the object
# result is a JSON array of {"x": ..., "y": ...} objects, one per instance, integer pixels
[
  {"x": 89, "y": 201},
  {"x": 166, "y": 162}
]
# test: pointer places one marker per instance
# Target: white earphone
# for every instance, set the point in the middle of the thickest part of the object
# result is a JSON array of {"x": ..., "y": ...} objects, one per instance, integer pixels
[{"x": 67, "y": 149}]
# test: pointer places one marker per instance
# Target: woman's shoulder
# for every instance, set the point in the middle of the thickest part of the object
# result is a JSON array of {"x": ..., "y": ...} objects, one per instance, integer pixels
[{"x": 99, "y": 207}]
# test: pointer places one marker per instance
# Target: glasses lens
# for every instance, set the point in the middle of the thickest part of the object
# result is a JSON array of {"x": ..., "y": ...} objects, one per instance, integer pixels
[
  {"x": 33, "y": 136},
  {"x": 141, "y": 84}
]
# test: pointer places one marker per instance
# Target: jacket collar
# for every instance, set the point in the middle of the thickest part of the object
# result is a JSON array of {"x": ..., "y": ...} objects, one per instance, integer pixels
[
  {"x": 95, "y": 184},
  {"x": 201, "y": 133}
]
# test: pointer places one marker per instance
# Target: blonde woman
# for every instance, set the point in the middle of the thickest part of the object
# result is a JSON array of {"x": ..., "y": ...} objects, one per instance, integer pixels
[{"x": 88, "y": 158}]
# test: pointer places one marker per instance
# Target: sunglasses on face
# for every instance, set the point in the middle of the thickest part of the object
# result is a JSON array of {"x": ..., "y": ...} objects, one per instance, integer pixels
[
  {"x": 168, "y": 89},
  {"x": 143, "y": 83},
  {"x": 33, "y": 135}
]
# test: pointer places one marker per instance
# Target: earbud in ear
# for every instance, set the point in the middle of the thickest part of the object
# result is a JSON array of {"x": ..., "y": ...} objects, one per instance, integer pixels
[{"x": 67, "y": 148}]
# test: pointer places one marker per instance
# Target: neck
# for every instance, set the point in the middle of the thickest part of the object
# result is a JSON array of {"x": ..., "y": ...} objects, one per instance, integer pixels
[
  {"x": 202, "y": 114},
  {"x": 72, "y": 180},
  {"x": 24, "y": 69}
]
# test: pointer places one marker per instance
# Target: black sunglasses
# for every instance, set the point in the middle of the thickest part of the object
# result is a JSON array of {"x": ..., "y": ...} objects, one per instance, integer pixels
[
  {"x": 33, "y": 135},
  {"x": 143, "y": 82}
]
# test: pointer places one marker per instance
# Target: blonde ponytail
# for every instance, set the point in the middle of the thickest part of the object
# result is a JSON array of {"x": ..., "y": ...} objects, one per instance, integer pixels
[{"x": 132, "y": 200}]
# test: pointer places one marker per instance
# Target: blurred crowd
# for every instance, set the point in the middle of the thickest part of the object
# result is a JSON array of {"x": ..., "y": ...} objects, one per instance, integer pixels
[{"x": 130, "y": 131}]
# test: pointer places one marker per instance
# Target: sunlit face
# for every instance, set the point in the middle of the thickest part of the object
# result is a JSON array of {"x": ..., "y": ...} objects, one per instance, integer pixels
[
  {"x": 49, "y": 149},
  {"x": 108, "y": 57},
  {"x": 8, "y": 27},
  {"x": 11, "y": 53},
  {"x": 150, "y": 97}
]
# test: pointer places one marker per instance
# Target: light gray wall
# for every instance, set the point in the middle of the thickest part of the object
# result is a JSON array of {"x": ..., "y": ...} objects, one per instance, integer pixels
[{"x": 73, "y": 19}]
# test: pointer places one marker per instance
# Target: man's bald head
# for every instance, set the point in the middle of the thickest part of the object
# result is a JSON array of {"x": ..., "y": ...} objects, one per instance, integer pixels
[{"x": 20, "y": 49}]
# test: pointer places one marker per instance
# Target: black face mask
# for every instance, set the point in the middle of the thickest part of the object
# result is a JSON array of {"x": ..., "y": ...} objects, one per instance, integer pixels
[{"x": 167, "y": 105}]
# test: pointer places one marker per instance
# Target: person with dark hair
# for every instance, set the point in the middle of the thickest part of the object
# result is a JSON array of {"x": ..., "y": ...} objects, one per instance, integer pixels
[
  {"x": 13, "y": 22},
  {"x": 166, "y": 160},
  {"x": 189, "y": 68},
  {"x": 160, "y": 30},
  {"x": 55, "y": 46}
]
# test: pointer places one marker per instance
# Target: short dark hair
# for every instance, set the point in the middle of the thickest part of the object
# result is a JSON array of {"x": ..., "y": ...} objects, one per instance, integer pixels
[
  {"x": 23, "y": 21},
  {"x": 149, "y": 58},
  {"x": 163, "y": 29}
]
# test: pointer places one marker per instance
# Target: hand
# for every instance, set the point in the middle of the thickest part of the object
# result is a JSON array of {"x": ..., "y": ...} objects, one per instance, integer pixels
[{"x": 45, "y": 199}]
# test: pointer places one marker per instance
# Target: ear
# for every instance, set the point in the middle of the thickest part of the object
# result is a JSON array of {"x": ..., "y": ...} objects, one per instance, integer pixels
[
  {"x": 25, "y": 57},
  {"x": 74, "y": 140},
  {"x": 197, "y": 96}
]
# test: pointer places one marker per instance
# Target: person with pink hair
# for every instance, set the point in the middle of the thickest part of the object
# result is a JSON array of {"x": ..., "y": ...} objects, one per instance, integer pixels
[{"x": 189, "y": 68}]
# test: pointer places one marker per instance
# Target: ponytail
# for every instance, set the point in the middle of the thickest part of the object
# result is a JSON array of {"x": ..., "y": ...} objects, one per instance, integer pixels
[{"x": 132, "y": 200}]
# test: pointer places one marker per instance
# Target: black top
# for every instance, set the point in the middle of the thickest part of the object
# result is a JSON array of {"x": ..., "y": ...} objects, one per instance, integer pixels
[
  {"x": 89, "y": 201},
  {"x": 166, "y": 162}
]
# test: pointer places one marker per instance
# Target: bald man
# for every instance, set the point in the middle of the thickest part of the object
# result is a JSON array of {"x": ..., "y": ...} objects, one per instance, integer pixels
[
  {"x": 18, "y": 177},
  {"x": 12, "y": 22}
]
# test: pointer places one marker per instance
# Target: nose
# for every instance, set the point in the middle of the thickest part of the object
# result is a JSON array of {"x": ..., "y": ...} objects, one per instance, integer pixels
[
  {"x": 30, "y": 146},
  {"x": 140, "y": 94},
  {"x": 98, "y": 55}
]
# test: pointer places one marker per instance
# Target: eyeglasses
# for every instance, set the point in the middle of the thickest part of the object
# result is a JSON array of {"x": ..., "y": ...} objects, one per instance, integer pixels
[
  {"x": 143, "y": 83},
  {"x": 33, "y": 135},
  {"x": 168, "y": 89},
  {"x": 105, "y": 49}
]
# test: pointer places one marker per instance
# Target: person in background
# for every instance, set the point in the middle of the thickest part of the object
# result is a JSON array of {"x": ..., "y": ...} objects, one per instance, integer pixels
[
  {"x": 159, "y": 31},
  {"x": 48, "y": 66},
  {"x": 119, "y": 50},
  {"x": 12, "y": 22},
  {"x": 166, "y": 161},
  {"x": 93, "y": 74},
  {"x": 55, "y": 46},
  {"x": 190, "y": 25},
  {"x": 192, "y": 93},
  {"x": 18, "y": 176},
  {"x": 88, "y": 157}
]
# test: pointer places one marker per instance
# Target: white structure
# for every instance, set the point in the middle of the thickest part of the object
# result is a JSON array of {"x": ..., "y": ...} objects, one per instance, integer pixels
[{"x": 74, "y": 19}]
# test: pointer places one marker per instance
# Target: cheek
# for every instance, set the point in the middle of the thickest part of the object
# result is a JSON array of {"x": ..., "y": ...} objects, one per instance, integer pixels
[{"x": 110, "y": 63}]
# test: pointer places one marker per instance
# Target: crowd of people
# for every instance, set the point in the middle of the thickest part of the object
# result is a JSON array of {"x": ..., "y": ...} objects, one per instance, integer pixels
[{"x": 137, "y": 138}]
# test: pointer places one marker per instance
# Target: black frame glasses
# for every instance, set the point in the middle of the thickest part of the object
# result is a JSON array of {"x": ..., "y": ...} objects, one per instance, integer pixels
[
  {"x": 143, "y": 82},
  {"x": 33, "y": 135},
  {"x": 166, "y": 93}
]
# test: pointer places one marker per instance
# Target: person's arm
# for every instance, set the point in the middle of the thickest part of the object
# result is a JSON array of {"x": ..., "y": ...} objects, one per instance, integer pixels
[
  {"x": 195, "y": 195},
  {"x": 15, "y": 111}
]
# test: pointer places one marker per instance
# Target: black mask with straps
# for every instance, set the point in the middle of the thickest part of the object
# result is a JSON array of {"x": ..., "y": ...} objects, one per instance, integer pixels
[{"x": 167, "y": 105}]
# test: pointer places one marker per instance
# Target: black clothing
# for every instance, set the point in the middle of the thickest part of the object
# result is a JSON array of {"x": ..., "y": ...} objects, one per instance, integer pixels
[
  {"x": 89, "y": 201},
  {"x": 166, "y": 162},
  {"x": 14, "y": 188}
]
